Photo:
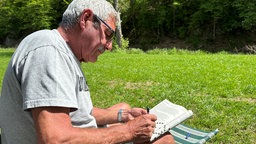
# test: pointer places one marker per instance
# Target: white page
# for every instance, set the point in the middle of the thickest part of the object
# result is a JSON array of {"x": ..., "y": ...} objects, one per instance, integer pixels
[{"x": 168, "y": 115}]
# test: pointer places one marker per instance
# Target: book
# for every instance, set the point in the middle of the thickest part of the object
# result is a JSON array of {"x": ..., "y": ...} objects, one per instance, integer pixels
[{"x": 168, "y": 116}]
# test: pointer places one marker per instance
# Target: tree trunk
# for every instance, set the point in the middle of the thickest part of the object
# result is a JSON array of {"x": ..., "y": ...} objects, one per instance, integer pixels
[{"x": 118, "y": 27}]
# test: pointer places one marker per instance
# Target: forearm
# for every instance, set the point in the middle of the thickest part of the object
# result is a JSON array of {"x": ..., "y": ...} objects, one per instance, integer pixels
[
  {"x": 53, "y": 125},
  {"x": 110, "y": 135},
  {"x": 105, "y": 116}
]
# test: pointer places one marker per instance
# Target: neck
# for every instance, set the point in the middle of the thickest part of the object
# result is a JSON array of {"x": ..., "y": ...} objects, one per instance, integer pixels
[
  {"x": 70, "y": 38},
  {"x": 63, "y": 33}
]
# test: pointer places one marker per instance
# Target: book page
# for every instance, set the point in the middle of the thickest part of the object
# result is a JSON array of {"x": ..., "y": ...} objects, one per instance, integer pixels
[{"x": 168, "y": 115}]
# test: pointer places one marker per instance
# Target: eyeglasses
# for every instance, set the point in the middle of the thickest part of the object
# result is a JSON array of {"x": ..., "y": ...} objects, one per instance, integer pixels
[{"x": 112, "y": 32}]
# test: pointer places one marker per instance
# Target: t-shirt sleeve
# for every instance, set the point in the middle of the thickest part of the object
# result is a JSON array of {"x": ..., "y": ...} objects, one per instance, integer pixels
[{"x": 48, "y": 79}]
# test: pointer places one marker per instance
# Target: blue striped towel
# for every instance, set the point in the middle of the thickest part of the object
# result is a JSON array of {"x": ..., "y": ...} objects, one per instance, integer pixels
[{"x": 184, "y": 134}]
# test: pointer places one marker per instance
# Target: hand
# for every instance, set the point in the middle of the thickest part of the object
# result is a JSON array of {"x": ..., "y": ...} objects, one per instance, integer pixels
[
  {"x": 132, "y": 113},
  {"x": 142, "y": 127}
]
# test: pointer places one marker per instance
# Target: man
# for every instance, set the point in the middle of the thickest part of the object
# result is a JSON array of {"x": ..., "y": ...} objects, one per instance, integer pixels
[{"x": 45, "y": 98}]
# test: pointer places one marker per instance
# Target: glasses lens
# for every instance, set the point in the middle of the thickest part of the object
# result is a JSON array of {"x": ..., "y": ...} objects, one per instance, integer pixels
[{"x": 111, "y": 34}]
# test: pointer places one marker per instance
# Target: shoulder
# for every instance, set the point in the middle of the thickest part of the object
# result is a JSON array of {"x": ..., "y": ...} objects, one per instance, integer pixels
[
  {"x": 40, "y": 37},
  {"x": 43, "y": 46},
  {"x": 49, "y": 41}
]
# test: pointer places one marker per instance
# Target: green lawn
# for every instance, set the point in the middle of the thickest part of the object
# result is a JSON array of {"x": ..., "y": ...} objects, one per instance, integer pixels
[{"x": 219, "y": 88}]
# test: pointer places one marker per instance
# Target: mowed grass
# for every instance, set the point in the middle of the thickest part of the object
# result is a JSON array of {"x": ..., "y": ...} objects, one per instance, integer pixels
[
  {"x": 219, "y": 88},
  {"x": 5, "y": 56}
]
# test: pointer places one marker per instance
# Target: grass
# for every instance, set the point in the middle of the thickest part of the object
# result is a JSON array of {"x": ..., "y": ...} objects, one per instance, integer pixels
[
  {"x": 219, "y": 88},
  {"x": 5, "y": 56}
]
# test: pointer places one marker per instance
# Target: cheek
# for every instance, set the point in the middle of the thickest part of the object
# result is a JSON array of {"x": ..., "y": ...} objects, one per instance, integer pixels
[
  {"x": 91, "y": 53},
  {"x": 91, "y": 44},
  {"x": 91, "y": 36},
  {"x": 94, "y": 34}
]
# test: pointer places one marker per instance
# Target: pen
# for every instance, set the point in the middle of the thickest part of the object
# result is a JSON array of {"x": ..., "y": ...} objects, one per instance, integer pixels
[
  {"x": 148, "y": 110},
  {"x": 187, "y": 136}
]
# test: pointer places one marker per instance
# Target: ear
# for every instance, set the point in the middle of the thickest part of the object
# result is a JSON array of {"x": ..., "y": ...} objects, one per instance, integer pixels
[{"x": 86, "y": 15}]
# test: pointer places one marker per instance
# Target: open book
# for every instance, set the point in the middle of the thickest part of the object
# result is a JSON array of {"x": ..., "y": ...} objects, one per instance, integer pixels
[{"x": 168, "y": 116}]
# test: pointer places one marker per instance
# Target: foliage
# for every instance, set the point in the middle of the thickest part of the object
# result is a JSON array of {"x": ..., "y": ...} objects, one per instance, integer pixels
[
  {"x": 19, "y": 18},
  {"x": 125, "y": 44},
  {"x": 58, "y": 6},
  {"x": 24, "y": 17},
  {"x": 247, "y": 13},
  {"x": 174, "y": 51},
  {"x": 199, "y": 22},
  {"x": 145, "y": 22},
  {"x": 148, "y": 17},
  {"x": 135, "y": 51}
]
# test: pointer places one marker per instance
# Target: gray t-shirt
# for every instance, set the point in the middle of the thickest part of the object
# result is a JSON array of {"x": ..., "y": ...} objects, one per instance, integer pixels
[{"x": 42, "y": 72}]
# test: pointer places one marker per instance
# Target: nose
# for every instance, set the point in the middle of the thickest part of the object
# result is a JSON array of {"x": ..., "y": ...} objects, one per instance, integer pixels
[{"x": 108, "y": 46}]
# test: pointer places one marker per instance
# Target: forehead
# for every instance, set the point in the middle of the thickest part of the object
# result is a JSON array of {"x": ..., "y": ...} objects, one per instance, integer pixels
[{"x": 111, "y": 21}]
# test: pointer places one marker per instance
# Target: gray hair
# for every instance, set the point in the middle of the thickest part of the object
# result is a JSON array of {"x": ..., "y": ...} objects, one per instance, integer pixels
[{"x": 101, "y": 8}]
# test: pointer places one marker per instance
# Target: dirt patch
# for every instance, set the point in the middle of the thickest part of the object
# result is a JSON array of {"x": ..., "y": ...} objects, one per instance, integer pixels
[
  {"x": 248, "y": 100},
  {"x": 141, "y": 85},
  {"x": 132, "y": 85}
]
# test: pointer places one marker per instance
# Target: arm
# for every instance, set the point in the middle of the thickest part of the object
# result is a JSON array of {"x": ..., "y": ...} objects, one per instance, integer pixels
[
  {"x": 105, "y": 116},
  {"x": 53, "y": 125},
  {"x": 109, "y": 115}
]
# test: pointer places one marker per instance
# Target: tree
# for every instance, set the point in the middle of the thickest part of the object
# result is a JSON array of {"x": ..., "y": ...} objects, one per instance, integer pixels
[
  {"x": 143, "y": 21},
  {"x": 246, "y": 13},
  {"x": 119, "y": 35},
  {"x": 19, "y": 17}
]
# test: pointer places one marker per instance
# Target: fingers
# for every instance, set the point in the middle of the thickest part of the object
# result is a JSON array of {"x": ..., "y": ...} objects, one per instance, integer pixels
[
  {"x": 142, "y": 127},
  {"x": 132, "y": 113},
  {"x": 140, "y": 111},
  {"x": 127, "y": 116},
  {"x": 153, "y": 117},
  {"x": 135, "y": 112}
]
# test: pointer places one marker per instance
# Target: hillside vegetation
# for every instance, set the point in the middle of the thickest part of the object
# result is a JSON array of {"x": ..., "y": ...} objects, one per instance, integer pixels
[{"x": 216, "y": 25}]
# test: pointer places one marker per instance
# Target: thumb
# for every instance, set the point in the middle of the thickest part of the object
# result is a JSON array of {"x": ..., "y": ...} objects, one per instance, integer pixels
[{"x": 130, "y": 117}]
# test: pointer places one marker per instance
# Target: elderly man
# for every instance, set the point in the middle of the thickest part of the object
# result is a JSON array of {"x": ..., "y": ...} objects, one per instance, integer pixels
[{"x": 45, "y": 97}]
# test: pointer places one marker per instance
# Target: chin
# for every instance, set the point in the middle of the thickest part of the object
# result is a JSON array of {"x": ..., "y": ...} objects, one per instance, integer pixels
[{"x": 93, "y": 60}]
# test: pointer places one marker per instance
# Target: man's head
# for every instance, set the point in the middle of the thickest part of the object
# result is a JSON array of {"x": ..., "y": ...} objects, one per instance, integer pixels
[
  {"x": 94, "y": 22},
  {"x": 101, "y": 8}
]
